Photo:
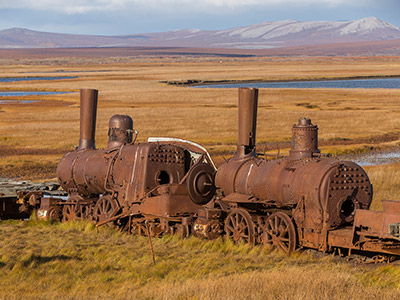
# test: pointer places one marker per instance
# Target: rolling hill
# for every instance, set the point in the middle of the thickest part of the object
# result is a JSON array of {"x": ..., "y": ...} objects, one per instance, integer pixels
[{"x": 266, "y": 35}]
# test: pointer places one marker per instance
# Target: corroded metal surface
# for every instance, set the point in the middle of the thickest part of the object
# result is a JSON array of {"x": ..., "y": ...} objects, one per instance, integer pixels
[
  {"x": 164, "y": 181},
  {"x": 88, "y": 110},
  {"x": 304, "y": 140},
  {"x": 304, "y": 200},
  {"x": 15, "y": 203},
  {"x": 171, "y": 186}
]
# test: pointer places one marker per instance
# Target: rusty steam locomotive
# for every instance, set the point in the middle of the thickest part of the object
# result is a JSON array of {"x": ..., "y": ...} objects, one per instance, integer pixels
[
  {"x": 164, "y": 181},
  {"x": 172, "y": 186}
]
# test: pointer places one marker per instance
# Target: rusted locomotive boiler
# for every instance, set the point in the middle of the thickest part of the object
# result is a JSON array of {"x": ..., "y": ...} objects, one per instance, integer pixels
[
  {"x": 164, "y": 181},
  {"x": 306, "y": 199}
]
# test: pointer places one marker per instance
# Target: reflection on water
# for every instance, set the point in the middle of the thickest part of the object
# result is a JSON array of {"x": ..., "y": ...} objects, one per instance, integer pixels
[
  {"x": 375, "y": 158},
  {"x": 376, "y": 83},
  {"x": 28, "y": 93},
  {"x": 14, "y": 79}
]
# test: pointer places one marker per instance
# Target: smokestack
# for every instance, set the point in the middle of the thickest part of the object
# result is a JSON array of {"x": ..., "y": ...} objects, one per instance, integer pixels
[
  {"x": 248, "y": 101},
  {"x": 88, "y": 119}
]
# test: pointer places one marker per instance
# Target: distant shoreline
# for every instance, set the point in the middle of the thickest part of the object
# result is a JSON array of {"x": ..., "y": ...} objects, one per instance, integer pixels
[{"x": 196, "y": 82}]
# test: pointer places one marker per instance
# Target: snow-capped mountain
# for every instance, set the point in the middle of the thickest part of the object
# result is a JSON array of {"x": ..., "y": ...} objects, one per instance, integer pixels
[
  {"x": 294, "y": 33},
  {"x": 259, "y": 36}
]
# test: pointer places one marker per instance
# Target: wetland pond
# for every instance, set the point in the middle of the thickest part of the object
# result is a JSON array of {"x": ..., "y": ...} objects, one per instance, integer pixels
[
  {"x": 371, "y": 83},
  {"x": 29, "y": 93},
  {"x": 15, "y": 79},
  {"x": 374, "y": 158}
]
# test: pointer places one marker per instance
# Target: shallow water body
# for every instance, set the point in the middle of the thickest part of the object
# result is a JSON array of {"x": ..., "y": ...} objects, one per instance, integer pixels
[
  {"x": 376, "y": 83},
  {"x": 15, "y": 79},
  {"x": 374, "y": 158},
  {"x": 28, "y": 93},
  {"x": 17, "y": 101}
]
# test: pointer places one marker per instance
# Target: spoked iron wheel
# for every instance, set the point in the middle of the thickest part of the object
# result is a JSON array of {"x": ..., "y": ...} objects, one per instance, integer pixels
[
  {"x": 279, "y": 231},
  {"x": 105, "y": 208},
  {"x": 239, "y": 227},
  {"x": 69, "y": 213}
]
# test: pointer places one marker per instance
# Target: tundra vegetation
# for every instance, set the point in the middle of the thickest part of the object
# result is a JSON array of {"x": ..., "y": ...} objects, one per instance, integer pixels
[
  {"x": 74, "y": 261},
  {"x": 65, "y": 261}
]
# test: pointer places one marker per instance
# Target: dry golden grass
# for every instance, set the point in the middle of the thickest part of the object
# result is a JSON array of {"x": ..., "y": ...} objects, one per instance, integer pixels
[
  {"x": 207, "y": 116},
  {"x": 73, "y": 261},
  {"x": 386, "y": 182}
]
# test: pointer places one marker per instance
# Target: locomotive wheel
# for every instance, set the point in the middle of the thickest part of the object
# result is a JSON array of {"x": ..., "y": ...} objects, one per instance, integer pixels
[
  {"x": 279, "y": 232},
  {"x": 105, "y": 208},
  {"x": 239, "y": 227},
  {"x": 54, "y": 214},
  {"x": 69, "y": 213}
]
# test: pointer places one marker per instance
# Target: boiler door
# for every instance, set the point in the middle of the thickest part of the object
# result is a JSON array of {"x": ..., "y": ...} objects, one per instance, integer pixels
[{"x": 200, "y": 183}]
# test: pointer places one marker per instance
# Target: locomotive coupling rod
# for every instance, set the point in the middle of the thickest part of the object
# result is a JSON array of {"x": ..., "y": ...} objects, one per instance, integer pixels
[{"x": 112, "y": 219}]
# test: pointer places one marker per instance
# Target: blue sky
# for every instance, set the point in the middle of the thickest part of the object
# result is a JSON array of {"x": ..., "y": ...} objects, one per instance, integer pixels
[{"x": 115, "y": 17}]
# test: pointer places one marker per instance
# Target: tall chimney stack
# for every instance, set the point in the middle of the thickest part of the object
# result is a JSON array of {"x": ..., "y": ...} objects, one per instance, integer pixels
[
  {"x": 248, "y": 101},
  {"x": 88, "y": 119}
]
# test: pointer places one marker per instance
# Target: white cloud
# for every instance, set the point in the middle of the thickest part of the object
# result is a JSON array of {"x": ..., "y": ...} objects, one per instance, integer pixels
[{"x": 84, "y": 6}]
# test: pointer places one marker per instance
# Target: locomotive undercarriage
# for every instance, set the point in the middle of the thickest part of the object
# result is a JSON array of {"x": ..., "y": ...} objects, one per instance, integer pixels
[
  {"x": 270, "y": 226},
  {"x": 106, "y": 211},
  {"x": 156, "y": 226},
  {"x": 261, "y": 224}
]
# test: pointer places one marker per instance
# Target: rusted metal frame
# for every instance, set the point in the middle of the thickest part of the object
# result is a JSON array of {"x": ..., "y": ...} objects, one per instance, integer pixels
[
  {"x": 302, "y": 210},
  {"x": 134, "y": 170},
  {"x": 323, "y": 207},
  {"x": 72, "y": 176},
  {"x": 111, "y": 163},
  {"x": 120, "y": 216},
  {"x": 148, "y": 193},
  {"x": 187, "y": 144},
  {"x": 147, "y": 217},
  {"x": 130, "y": 224},
  {"x": 152, "y": 217},
  {"x": 151, "y": 191}
]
